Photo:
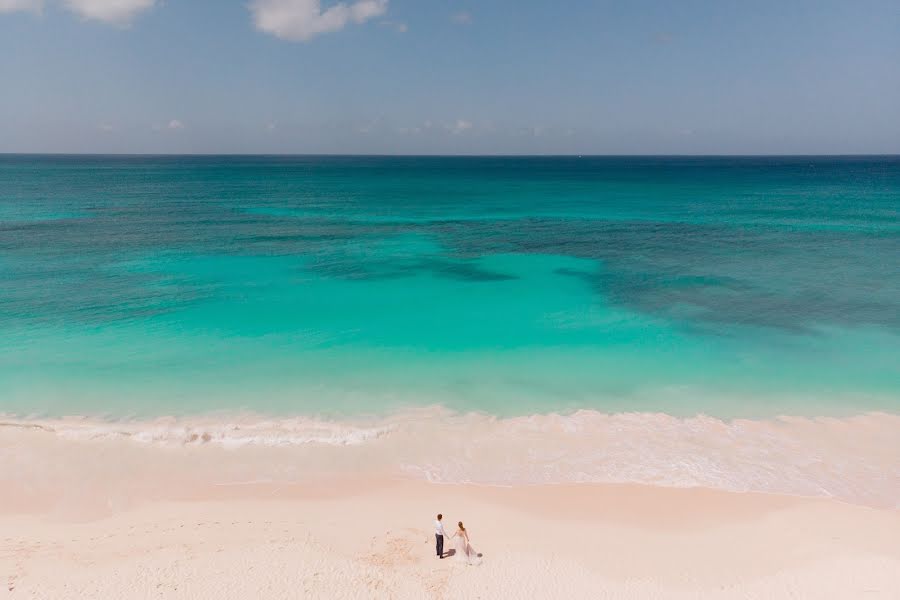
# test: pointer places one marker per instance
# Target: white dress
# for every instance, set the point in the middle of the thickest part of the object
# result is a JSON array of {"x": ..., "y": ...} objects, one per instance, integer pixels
[{"x": 464, "y": 550}]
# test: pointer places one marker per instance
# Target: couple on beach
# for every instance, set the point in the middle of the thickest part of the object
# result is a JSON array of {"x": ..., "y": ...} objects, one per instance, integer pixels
[{"x": 463, "y": 551}]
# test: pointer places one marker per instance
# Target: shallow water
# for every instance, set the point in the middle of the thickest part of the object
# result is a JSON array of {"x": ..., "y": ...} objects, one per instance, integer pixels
[
  {"x": 147, "y": 286},
  {"x": 854, "y": 459}
]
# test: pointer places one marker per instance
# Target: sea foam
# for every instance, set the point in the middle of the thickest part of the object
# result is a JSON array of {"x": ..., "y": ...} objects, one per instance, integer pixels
[
  {"x": 198, "y": 431},
  {"x": 855, "y": 459}
]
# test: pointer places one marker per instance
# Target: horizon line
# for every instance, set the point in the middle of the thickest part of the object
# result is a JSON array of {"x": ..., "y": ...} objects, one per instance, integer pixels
[{"x": 439, "y": 155}]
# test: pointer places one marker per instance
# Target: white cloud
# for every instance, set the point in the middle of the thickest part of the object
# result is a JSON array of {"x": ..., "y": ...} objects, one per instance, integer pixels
[
  {"x": 117, "y": 12},
  {"x": 462, "y": 18},
  {"x": 106, "y": 127},
  {"x": 302, "y": 20},
  {"x": 175, "y": 124},
  {"x": 416, "y": 130},
  {"x": 460, "y": 126},
  {"x": 32, "y": 6}
]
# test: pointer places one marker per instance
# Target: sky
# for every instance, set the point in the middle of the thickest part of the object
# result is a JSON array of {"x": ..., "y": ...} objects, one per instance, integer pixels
[{"x": 450, "y": 77}]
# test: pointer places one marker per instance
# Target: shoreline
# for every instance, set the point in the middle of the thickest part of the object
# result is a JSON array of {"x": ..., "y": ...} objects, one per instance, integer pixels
[
  {"x": 371, "y": 537},
  {"x": 852, "y": 459},
  {"x": 239, "y": 507}
]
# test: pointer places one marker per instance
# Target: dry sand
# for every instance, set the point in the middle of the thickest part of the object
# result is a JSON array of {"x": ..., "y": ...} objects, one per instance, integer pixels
[{"x": 356, "y": 538}]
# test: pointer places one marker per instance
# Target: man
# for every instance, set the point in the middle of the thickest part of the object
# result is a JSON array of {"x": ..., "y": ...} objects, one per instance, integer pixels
[{"x": 439, "y": 536}]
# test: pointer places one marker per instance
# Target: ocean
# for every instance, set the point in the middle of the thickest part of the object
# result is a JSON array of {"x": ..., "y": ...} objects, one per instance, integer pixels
[
  {"x": 344, "y": 285},
  {"x": 609, "y": 312}
]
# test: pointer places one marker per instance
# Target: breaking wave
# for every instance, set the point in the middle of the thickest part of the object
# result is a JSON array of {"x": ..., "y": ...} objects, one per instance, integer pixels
[
  {"x": 180, "y": 432},
  {"x": 855, "y": 459}
]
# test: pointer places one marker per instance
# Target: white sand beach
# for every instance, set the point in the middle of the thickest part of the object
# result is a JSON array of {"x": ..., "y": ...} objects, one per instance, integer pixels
[
  {"x": 318, "y": 509},
  {"x": 373, "y": 539}
]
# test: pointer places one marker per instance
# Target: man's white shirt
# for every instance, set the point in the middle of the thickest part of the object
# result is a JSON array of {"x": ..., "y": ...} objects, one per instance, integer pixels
[{"x": 438, "y": 527}]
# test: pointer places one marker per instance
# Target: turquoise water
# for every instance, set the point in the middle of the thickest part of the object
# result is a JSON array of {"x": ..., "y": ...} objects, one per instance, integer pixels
[{"x": 136, "y": 286}]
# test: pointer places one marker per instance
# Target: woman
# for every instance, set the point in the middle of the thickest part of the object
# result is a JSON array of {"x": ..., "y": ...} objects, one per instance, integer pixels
[{"x": 464, "y": 550}]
